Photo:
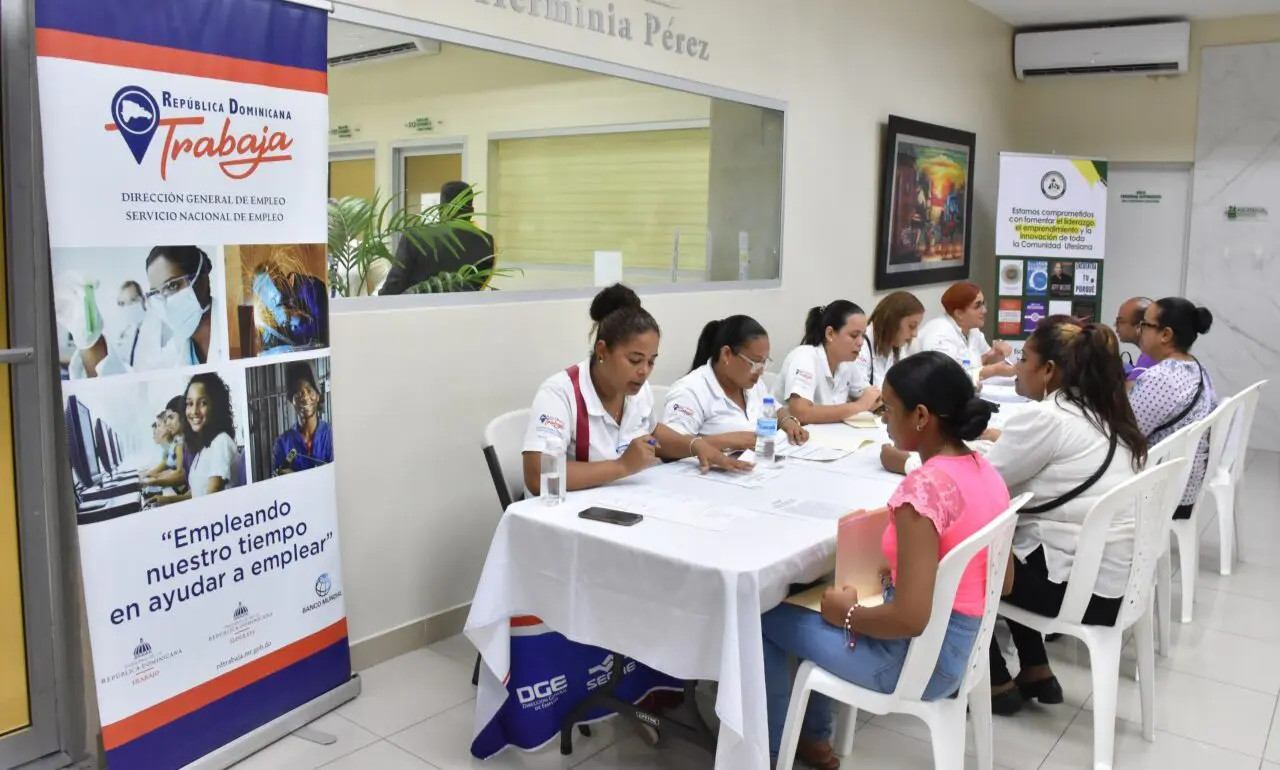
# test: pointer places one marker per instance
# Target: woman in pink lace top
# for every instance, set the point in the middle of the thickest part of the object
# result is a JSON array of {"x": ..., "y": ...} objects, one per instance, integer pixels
[{"x": 931, "y": 408}]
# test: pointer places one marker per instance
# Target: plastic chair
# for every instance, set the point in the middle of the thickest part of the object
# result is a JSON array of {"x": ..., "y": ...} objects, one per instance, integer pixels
[
  {"x": 945, "y": 717},
  {"x": 502, "y": 445},
  {"x": 660, "y": 398},
  {"x": 1176, "y": 446},
  {"x": 1150, "y": 495},
  {"x": 1226, "y": 465},
  {"x": 770, "y": 381},
  {"x": 1187, "y": 531}
]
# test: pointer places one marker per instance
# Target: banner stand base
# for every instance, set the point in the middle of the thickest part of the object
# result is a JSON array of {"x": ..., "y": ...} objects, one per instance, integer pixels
[
  {"x": 294, "y": 722},
  {"x": 315, "y": 736}
]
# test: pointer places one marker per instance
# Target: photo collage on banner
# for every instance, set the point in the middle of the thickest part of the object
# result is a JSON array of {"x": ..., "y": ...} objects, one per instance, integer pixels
[
  {"x": 185, "y": 172},
  {"x": 1050, "y": 240}
]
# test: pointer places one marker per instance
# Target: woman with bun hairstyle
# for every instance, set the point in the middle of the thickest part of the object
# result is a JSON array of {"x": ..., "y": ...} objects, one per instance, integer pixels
[
  {"x": 931, "y": 407},
  {"x": 891, "y": 330},
  {"x": 959, "y": 332},
  {"x": 721, "y": 397},
  {"x": 1177, "y": 390},
  {"x": 600, "y": 412},
  {"x": 820, "y": 382},
  {"x": 1074, "y": 443}
]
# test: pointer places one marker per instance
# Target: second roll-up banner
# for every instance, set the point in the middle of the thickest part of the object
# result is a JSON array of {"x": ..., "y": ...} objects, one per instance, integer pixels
[{"x": 185, "y": 165}]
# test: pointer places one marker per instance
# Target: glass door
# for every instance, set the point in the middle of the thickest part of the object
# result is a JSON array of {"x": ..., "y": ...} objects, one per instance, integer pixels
[{"x": 41, "y": 678}]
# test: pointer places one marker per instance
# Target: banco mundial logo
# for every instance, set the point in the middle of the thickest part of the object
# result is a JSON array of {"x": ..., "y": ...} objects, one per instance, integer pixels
[
  {"x": 1053, "y": 185},
  {"x": 323, "y": 585}
]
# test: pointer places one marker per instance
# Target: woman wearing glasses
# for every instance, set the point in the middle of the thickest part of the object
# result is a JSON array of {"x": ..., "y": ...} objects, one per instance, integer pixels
[
  {"x": 722, "y": 396},
  {"x": 181, "y": 295},
  {"x": 821, "y": 382},
  {"x": 958, "y": 334},
  {"x": 1176, "y": 391}
]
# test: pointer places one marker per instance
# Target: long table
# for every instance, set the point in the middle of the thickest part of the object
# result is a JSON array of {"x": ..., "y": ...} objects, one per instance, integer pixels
[
  {"x": 681, "y": 595},
  {"x": 681, "y": 598}
]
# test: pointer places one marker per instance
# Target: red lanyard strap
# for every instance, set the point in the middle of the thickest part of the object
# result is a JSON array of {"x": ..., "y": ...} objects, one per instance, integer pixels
[{"x": 582, "y": 433}]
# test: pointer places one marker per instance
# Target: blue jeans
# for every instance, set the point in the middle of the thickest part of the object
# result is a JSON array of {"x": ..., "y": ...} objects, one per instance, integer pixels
[{"x": 874, "y": 664}]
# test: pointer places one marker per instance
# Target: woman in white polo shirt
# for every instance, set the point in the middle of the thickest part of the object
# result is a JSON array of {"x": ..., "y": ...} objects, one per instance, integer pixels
[
  {"x": 721, "y": 397},
  {"x": 820, "y": 382},
  {"x": 600, "y": 412},
  {"x": 958, "y": 334},
  {"x": 891, "y": 330}
]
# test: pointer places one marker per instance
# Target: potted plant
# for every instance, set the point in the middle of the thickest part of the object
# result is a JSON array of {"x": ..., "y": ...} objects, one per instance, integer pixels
[{"x": 363, "y": 234}]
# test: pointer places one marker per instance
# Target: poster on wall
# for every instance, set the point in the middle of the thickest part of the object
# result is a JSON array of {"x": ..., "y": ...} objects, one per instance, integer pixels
[
  {"x": 1051, "y": 206},
  {"x": 185, "y": 169}
]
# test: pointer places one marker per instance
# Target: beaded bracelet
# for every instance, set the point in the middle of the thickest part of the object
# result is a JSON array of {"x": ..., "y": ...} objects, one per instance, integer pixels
[{"x": 848, "y": 627}]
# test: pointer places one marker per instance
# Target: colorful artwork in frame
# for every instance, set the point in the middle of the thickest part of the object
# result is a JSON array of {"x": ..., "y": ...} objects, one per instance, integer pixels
[{"x": 926, "y": 205}]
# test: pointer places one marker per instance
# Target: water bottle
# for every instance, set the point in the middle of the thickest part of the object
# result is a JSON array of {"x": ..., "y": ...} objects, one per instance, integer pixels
[
  {"x": 767, "y": 431},
  {"x": 552, "y": 486},
  {"x": 975, "y": 373}
]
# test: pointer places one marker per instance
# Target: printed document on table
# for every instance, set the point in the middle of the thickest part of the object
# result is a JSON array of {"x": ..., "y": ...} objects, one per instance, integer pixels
[
  {"x": 809, "y": 509},
  {"x": 754, "y": 479},
  {"x": 813, "y": 452}
]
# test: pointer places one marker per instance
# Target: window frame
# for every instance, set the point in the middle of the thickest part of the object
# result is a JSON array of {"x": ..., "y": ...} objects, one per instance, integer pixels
[{"x": 421, "y": 28}]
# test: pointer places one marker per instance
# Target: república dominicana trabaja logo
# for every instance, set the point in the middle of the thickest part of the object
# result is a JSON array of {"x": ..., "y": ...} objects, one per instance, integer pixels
[{"x": 137, "y": 116}]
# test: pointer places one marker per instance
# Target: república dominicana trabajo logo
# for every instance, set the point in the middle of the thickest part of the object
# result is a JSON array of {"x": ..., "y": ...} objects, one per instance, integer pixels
[{"x": 138, "y": 116}]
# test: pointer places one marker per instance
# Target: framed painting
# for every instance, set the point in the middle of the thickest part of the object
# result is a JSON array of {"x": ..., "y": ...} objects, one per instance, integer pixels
[{"x": 926, "y": 205}]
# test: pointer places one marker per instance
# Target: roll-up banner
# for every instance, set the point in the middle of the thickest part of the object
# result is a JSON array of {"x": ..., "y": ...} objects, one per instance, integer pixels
[
  {"x": 1050, "y": 240},
  {"x": 185, "y": 165}
]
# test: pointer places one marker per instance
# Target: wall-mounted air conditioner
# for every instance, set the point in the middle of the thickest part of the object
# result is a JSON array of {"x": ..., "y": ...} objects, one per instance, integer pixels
[
  {"x": 400, "y": 49},
  {"x": 1137, "y": 49}
]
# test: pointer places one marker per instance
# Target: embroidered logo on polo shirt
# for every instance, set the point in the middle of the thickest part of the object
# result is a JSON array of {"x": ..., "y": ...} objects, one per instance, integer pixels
[
  {"x": 806, "y": 376},
  {"x": 678, "y": 409}
]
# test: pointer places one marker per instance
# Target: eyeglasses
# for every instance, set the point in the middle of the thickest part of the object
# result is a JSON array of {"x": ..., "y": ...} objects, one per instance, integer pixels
[
  {"x": 1144, "y": 324},
  {"x": 172, "y": 286},
  {"x": 756, "y": 366}
]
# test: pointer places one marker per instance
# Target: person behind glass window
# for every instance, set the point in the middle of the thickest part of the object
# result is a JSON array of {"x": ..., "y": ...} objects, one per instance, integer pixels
[
  {"x": 931, "y": 407},
  {"x": 722, "y": 396},
  {"x": 600, "y": 412},
  {"x": 820, "y": 381},
  {"x": 958, "y": 334},
  {"x": 419, "y": 259},
  {"x": 1177, "y": 390},
  {"x": 897, "y": 318}
]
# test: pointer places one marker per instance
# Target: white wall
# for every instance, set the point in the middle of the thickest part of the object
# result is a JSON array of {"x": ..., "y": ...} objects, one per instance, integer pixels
[
  {"x": 414, "y": 388},
  {"x": 1133, "y": 119}
]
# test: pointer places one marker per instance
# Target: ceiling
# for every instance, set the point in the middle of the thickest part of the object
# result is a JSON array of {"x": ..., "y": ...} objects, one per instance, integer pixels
[
  {"x": 1025, "y": 13},
  {"x": 347, "y": 38}
]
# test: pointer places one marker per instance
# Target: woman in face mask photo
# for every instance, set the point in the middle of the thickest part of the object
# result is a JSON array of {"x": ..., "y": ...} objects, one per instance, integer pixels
[{"x": 181, "y": 295}]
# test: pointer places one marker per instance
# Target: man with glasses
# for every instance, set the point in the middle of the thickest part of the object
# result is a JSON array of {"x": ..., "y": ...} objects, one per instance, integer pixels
[{"x": 1129, "y": 330}]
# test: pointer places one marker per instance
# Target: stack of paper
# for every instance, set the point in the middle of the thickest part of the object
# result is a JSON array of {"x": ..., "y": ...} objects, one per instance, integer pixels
[
  {"x": 859, "y": 559},
  {"x": 863, "y": 420},
  {"x": 814, "y": 452}
]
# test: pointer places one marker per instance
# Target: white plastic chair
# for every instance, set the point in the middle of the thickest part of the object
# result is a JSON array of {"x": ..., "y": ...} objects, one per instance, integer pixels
[
  {"x": 770, "y": 381},
  {"x": 1150, "y": 496},
  {"x": 660, "y": 393},
  {"x": 1227, "y": 454},
  {"x": 502, "y": 445},
  {"x": 1187, "y": 531},
  {"x": 1176, "y": 446},
  {"x": 945, "y": 717}
]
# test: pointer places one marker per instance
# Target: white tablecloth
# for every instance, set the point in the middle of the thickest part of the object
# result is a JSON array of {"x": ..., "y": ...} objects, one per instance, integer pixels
[{"x": 683, "y": 600}]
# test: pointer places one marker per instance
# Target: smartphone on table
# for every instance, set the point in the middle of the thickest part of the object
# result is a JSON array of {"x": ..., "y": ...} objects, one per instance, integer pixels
[{"x": 611, "y": 516}]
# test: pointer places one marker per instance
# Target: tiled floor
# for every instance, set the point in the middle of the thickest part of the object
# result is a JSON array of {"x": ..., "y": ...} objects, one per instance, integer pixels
[{"x": 1216, "y": 695}]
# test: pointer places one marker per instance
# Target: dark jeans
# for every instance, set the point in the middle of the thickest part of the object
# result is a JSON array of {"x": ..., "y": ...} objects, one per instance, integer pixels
[
  {"x": 1182, "y": 512},
  {"x": 1035, "y": 592}
]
